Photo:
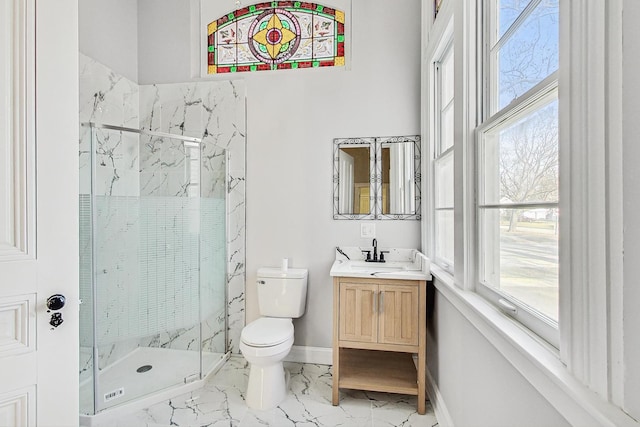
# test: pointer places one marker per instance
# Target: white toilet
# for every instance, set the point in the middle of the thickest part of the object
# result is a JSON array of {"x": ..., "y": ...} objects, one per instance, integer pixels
[{"x": 265, "y": 342}]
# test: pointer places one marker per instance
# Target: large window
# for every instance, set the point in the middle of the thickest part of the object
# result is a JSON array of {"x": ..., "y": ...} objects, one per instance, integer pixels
[
  {"x": 443, "y": 157},
  {"x": 517, "y": 163}
]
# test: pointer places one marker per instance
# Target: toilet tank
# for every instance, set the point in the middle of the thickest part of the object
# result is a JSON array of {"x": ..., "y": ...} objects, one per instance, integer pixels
[{"x": 282, "y": 293}]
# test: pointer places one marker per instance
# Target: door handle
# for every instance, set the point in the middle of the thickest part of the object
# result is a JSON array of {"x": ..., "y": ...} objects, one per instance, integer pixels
[
  {"x": 374, "y": 296},
  {"x": 54, "y": 303},
  {"x": 381, "y": 305}
]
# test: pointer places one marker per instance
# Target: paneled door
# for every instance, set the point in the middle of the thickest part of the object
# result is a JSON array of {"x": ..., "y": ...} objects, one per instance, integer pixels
[{"x": 38, "y": 212}]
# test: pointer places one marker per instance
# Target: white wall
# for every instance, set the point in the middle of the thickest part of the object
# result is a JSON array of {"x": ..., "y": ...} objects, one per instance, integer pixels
[
  {"x": 478, "y": 385},
  {"x": 631, "y": 191},
  {"x": 292, "y": 118},
  {"x": 164, "y": 43},
  {"x": 109, "y": 34}
]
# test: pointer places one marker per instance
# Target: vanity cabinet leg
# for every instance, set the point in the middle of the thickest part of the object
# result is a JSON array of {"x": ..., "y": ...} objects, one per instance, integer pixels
[
  {"x": 335, "y": 396},
  {"x": 421, "y": 388}
]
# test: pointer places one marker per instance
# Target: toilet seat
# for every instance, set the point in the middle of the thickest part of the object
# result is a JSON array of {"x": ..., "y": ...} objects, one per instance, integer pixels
[{"x": 267, "y": 332}]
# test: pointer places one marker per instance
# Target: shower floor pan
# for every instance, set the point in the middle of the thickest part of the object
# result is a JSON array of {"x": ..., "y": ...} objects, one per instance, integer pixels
[{"x": 144, "y": 371}]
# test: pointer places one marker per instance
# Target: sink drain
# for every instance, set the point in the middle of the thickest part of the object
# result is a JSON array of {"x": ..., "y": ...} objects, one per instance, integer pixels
[{"x": 144, "y": 368}]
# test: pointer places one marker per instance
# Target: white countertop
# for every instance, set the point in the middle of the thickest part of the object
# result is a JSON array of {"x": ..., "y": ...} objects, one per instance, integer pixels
[{"x": 403, "y": 264}]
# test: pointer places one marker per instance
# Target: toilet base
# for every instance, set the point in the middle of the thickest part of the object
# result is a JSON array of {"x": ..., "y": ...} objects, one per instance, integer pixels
[{"x": 267, "y": 386}]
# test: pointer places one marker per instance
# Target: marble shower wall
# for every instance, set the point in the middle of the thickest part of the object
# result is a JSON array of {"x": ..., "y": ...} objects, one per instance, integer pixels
[
  {"x": 109, "y": 98},
  {"x": 214, "y": 111}
]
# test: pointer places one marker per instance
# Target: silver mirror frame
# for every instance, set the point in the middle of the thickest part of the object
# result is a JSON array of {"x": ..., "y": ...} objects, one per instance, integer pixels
[{"x": 375, "y": 194}]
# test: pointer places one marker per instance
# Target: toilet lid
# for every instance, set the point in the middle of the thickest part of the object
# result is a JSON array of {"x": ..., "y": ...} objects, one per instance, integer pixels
[{"x": 267, "y": 331}]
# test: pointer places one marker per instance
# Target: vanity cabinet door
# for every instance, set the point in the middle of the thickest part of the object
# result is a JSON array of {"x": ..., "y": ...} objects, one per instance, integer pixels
[
  {"x": 358, "y": 318},
  {"x": 399, "y": 315}
]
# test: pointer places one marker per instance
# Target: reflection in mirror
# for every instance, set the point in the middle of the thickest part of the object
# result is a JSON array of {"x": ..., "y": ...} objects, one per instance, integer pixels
[
  {"x": 398, "y": 184},
  {"x": 376, "y": 178},
  {"x": 355, "y": 178},
  {"x": 398, "y": 177},
  {"x": 353, "y": 165}
]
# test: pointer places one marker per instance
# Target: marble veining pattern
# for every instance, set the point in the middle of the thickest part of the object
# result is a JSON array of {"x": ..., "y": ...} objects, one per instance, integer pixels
[
  {"x": 108, "y": 98},
  {"x": 221, "y": 403},
  {"x": 214, "y": 111}
]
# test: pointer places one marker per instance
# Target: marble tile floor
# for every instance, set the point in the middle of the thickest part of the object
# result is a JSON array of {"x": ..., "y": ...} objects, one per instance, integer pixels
[{"x": 221, "y": 403}]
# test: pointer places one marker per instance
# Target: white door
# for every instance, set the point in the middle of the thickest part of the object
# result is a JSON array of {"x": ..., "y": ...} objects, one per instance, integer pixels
[{"x": 38, "y": 211}]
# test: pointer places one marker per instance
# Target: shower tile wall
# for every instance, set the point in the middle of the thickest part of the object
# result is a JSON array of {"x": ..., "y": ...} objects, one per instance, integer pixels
[
  {"x": 106, "y": 97},
  {"x": 213, "y": 110}
]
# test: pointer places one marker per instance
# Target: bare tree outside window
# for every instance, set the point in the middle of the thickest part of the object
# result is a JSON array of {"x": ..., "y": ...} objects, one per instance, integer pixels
[
  {"x": 518, "y": 162},
  {"x": 529, "y": 162}
]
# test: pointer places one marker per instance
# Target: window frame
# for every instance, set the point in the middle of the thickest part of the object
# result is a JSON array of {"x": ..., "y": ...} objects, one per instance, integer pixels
[
  {"x": 591, "y": 285},
  {"x": 439, "y": 156},
  {"x": 490, "y": 118},
  {"x": 434, "y": 50}
]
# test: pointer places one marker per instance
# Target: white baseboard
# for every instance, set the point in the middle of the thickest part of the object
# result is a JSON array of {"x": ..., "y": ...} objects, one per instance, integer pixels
[
  {"x": 316, "y": 355},
  {"x": 442, "y": 413}
]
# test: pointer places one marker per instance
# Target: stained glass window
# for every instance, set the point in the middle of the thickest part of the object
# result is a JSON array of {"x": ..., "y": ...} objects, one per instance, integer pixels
[{"x": 276, "y": 35}]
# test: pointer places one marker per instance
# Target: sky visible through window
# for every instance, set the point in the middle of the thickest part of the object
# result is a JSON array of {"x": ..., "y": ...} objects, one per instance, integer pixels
[
  {"x": 525, "y": 171},
  {"x": 530, "y": 53}
]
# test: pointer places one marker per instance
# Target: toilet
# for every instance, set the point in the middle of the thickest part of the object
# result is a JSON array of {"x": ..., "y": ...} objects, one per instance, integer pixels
[{"x": 265, "y": 342}]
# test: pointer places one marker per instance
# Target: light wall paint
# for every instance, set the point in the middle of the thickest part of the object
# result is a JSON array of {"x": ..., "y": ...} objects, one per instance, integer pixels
[
  {"x": 164, "y": 40},
  {"x": 475, "y": 380},
  {"x": 292, "y": 118},
  {"x": 109, "y": 34},
  {"x": 631, "y": 206}
]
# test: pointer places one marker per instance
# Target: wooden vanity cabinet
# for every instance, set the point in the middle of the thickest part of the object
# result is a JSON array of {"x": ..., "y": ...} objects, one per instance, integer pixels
[{"x": 378, "y": 326}]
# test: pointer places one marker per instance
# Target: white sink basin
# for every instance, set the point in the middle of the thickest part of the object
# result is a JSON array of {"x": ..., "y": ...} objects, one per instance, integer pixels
[
  {"x": 408, "y": 264},
  {"x": 378, "y": 265}
]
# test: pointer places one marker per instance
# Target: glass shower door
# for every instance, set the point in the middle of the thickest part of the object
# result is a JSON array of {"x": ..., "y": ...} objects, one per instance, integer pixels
[{"x": 153, "y": 259}]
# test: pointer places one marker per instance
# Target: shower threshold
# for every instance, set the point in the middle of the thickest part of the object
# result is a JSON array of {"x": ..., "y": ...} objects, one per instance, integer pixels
[{"x": 164, "y": 373}]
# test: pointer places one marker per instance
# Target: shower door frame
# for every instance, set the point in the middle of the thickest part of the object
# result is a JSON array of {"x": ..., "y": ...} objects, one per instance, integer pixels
[{"x": 93, "y": 221}]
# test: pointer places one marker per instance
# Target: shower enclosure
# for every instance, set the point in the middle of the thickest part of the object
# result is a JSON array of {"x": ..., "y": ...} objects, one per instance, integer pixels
[{"x": 152, "y": 263}]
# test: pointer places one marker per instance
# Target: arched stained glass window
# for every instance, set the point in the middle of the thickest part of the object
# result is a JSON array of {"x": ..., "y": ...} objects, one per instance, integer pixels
[{"x": 276, "y": 35}]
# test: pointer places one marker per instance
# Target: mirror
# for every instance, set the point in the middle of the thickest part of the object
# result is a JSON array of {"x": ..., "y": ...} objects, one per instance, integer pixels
[
  {"x": 377, "y": 178},
  {"x": 400, "y": 177},
  {"x": 353, "y": 166}
]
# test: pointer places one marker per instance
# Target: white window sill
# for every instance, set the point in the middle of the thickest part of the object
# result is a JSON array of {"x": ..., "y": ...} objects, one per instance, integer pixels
[{"x": 535, "y": 360}]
